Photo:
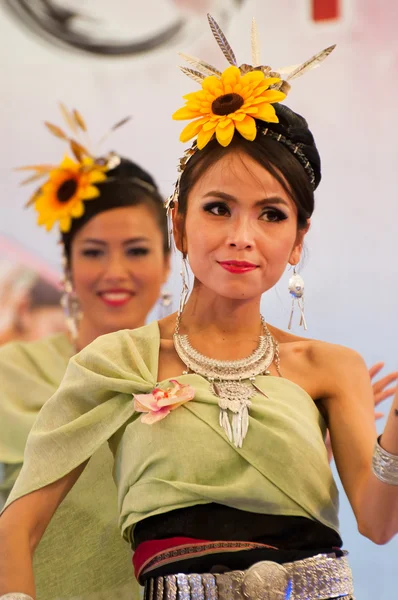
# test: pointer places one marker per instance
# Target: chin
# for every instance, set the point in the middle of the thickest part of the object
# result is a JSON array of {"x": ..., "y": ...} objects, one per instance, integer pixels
[
  {"x": 237, "y": 292},
  {"x": 111, "y": 325}
]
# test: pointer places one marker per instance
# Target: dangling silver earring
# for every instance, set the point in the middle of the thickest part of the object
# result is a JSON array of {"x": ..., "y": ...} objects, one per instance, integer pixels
[
  {"x": 165, "y": 302},
  {"x": 70, "y": 304},
  {"x": 69, "y": 301},
  {"x": 296, "y": 289},
  {"x": 185, "y": 285}
]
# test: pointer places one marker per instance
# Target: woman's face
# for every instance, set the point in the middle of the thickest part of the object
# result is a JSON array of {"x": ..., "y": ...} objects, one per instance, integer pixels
[
  {"x": 118, "y": 267},
  {"x": 240, "y": 229}
]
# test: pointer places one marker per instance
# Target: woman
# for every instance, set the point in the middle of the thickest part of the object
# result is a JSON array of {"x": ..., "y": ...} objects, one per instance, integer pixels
[
  {"x": 29, "y": 305},
  {"x": 116, "y": 260},
  {"x": 215, "y": 418}
]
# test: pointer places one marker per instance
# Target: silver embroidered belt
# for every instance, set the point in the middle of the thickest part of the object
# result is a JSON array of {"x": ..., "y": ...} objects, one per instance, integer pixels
[{"x": 317, "y": 578}]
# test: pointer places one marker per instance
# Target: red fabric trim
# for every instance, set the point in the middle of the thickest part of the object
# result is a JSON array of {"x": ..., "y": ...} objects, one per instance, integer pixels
[
  {"x": 156, "y": 551},
  {"x": 148, "y": 550},
  {"x": 324, "y": 10}
]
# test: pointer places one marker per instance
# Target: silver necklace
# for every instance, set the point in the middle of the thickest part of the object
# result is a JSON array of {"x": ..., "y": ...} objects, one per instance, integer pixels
[{"x": 232, "y": 381}]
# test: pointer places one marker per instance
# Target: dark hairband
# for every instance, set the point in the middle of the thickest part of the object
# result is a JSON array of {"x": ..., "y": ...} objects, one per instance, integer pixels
[
  {"x": 140, "y": 182},
  {"x": 294, "y": 149}
]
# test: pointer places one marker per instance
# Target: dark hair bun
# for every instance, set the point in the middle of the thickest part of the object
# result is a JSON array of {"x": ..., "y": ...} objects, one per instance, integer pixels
[
  {"x": 127, "y": 169},
  {"x": 295, "y": 128}
]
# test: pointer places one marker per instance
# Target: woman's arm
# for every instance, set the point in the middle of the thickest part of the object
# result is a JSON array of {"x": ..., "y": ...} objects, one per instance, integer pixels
[
  {"x": 349, "y": 404},
  {"x": 22, "y": 526},
  {"x": 382, "y": 389}
]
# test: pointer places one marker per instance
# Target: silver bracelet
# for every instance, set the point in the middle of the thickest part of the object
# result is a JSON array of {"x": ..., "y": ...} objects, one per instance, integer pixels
[
  {"x": 16, "y": 596},
  {"x": 384, "y": 465}
]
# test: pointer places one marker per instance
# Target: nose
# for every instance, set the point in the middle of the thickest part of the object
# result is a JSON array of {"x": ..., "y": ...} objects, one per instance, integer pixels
[
  {"x": 116, "y": 269},
  {"x": 241, "y": 235}
]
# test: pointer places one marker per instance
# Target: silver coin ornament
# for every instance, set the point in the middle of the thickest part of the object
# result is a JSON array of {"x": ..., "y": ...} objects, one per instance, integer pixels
[
  {"x": 267, "y": 580},
  {"x": 296, "y": 289},
  {"x": 296, "y": 286}
]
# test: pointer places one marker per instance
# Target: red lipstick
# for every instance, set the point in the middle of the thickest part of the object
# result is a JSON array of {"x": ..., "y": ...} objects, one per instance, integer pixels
[
  {"x": 237, "y": 266},
  {"x": 116, "y": 297}
]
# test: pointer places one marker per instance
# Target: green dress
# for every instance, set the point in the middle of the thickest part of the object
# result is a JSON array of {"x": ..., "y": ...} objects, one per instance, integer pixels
[
  {"x": 82, "y": 555},
  {"x": 184, "y": 459}
]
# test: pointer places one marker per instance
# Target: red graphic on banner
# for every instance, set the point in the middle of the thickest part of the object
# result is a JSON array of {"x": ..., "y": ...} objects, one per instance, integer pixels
[{"x": 325, "y": 10}]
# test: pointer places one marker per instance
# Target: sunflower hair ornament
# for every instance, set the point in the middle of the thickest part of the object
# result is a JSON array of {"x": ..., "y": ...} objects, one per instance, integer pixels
[
  {"x": 73, "y": 182},
  {"x": 238, "y": 98}
]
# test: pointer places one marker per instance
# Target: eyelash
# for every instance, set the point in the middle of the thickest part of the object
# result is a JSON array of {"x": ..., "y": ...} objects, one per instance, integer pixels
[
  {"x": 278, "y": 214},
  {"x": 92, "y": 253},
  {"x": 138, "y": 251}
]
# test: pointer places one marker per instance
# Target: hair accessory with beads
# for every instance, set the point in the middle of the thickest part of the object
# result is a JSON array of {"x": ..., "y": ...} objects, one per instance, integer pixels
[
  {"x": 240, "y": 98},
  {"x": 73, "y": 182}
]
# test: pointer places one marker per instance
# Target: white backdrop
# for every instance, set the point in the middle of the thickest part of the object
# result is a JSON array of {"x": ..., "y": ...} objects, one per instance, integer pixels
[{"x": 350, "y": 102}]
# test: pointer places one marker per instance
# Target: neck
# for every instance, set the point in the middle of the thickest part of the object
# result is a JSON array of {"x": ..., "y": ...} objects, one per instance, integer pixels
[
  {"x": 211, "y": 313},
  {"x": 88, "y": 332}
]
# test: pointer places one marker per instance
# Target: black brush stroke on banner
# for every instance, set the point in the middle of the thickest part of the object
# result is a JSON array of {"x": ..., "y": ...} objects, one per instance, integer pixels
[{"x": 55, "y": 22}]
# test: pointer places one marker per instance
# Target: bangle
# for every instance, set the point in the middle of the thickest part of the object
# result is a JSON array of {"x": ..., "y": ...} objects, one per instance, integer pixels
[
  {"x": 16, "y": 596},
  {"x": 384, "y": 465}
]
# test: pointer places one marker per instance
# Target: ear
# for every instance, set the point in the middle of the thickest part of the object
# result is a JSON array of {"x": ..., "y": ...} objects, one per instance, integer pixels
[
  {"x": 297, "y": 250},
  {"x": 178, "y": 229}
]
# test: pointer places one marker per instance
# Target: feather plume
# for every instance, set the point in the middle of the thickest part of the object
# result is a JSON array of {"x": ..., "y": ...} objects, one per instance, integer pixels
[
  {"x": 32, "y": 178},
  {"x": 222, "y": 41},
  {"x": 68, "y": 118},
  {"x": 114, "y": 128},
  {"x": 285, "y": 71},
  {"x": 80, "y": 122},
  {"x": 33, "y": 198},
  {"x": 57, "y": 131},
  {"x": 200, "y": 64},
  {"x": 38, "y": 168},
  {"x": 78, "y": 150},
  {"x": 255, "y": 44},
  {"x": 195, "y": 75},
  {"x": 121, "y": 123},
  {"x": 311, "y": 63}
]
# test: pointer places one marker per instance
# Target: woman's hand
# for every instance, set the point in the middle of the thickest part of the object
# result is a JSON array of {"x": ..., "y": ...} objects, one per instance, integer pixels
[{"x": 382, "y": 389}]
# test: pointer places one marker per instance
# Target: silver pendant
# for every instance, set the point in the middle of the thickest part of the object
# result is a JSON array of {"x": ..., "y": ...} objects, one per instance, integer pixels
[
  {"x": 234, "y": 397},
  {"x": 226, "y": 379}
]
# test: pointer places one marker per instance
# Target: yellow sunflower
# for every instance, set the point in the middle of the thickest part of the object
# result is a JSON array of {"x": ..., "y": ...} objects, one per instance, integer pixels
[
  {"x": 69, "y": 185},
  {"x": 231, "y": 101}
]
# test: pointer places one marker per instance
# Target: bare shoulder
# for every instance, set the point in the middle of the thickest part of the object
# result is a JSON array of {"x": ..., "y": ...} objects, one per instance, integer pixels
[
  {"x": 319, "y": 353},
  {"x": 332, "y": 357},
  {"x": 320, "y": 367}
]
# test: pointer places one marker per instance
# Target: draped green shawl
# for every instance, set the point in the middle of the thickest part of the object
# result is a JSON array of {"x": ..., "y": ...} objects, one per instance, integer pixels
[
  {"x": 82, "y": 555},
  {"x": 185, "y": 459}
]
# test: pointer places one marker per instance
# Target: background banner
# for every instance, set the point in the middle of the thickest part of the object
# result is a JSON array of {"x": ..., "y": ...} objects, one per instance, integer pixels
[{"x": 119, "y": 58}]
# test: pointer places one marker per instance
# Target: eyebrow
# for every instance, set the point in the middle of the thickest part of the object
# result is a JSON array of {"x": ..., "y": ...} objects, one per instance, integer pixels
[
  {"x": 224, "y": 196},
  {"x": 135, "y": 240}
]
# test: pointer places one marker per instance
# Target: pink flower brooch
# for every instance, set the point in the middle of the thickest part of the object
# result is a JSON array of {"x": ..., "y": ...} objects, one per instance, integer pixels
[{"x": 159, "y": 403}]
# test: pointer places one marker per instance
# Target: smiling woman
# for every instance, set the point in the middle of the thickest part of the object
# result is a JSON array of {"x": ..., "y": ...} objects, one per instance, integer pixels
[
  {"x": 116, "y": 253},
  {"x": 115, "y": 241}
]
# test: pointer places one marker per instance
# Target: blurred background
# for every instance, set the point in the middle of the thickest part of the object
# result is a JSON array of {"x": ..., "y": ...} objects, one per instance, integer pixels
[{"x": 119, "y": 58}]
